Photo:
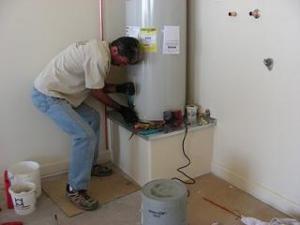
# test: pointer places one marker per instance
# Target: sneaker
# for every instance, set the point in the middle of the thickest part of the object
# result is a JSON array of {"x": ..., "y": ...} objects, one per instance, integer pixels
[
  {"x": 81, "y": 199},
  {"x": 101, "y": 171}
]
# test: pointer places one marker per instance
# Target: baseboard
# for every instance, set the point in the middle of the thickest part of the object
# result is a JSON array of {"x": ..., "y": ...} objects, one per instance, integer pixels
[
  {"x": 53, "y": 169},
  {"x": 259, "y": 191},
  {"x": 56, "y": 168},
  {"x": 61, "y": 167}
]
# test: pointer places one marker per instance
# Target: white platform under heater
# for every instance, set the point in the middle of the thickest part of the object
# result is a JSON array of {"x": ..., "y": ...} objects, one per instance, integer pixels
[{"x": 158, "y": 156}]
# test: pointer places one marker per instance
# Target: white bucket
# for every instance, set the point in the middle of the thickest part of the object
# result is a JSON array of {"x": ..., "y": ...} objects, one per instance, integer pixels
[
  {"x": 23, "y": 197},
  {"x": 164, "y": 202},
  {"x": 26, "y": 171}
]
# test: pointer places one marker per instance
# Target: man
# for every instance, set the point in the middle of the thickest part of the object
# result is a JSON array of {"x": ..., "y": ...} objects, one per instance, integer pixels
[{"x": 59, "y": 92}]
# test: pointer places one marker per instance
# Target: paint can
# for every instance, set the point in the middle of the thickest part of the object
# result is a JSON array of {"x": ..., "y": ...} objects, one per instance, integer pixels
[
  {"x": 191, "y": 113},
  {"x": 26, "y": 171},
  {"x": 164, "y": 202},
  {"x": 24, "y": 197}
]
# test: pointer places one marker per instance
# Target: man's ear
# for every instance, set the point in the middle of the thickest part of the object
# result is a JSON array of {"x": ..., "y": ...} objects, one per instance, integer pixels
[{"x": 114, "y": 50}]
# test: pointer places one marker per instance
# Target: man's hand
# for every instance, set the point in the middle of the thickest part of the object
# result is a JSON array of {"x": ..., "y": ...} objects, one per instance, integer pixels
[
  {"x": 126, "y": 88},
  {"x": 129, "y": 115}
]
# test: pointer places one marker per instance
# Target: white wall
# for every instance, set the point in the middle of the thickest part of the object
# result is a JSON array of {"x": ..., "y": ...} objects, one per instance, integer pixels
[
  {"x": 31, "y": 33},
  {"x": 257, "y": 136},
  {"x": 256, "y": 141},
  {"x": 114, "y": 27}
]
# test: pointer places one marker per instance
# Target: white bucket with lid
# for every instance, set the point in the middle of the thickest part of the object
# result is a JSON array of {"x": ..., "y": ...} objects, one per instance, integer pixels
[
  {"x": 164, "y": 202},
  {"x": 26, "y": 171},
  {"x": 24, "y": 197}
]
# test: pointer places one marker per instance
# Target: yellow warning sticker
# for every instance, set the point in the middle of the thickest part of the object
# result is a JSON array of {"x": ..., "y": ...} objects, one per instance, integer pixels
[{"x": 148, "y": 37}]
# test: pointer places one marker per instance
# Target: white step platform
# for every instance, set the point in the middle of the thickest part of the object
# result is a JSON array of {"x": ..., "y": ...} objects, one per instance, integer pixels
[{"x": 148, "y": 157}]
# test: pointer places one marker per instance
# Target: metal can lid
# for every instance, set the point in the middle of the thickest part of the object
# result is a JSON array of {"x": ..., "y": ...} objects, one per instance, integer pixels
[{"x": 164, "y": 189}]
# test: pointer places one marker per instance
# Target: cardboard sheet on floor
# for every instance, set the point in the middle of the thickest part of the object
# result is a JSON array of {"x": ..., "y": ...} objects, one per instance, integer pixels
[
  {"x": 104, "y": 189},
  {"x": 228, "y": 196}
]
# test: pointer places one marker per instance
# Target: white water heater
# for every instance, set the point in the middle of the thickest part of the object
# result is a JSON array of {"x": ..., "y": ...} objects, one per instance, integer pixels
[{"x": 160, "y": 78}]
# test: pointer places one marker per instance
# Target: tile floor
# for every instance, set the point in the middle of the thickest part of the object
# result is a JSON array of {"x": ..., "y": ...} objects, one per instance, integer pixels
[{"x": 126, "y": 210}]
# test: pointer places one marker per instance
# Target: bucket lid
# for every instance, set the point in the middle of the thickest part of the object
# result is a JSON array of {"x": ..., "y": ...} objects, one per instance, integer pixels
[
  {"x": 164, "y": 189},
  {"x": 24, "y": 167}
]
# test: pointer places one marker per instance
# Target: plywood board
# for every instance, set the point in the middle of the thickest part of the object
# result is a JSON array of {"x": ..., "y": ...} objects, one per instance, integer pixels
[{"x": 104, "y": 189}]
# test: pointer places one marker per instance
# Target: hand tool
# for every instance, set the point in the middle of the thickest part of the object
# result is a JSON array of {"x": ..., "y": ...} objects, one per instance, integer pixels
[
  {"x": 13, "y": 223},
  {"x": 9, "y": 202}
]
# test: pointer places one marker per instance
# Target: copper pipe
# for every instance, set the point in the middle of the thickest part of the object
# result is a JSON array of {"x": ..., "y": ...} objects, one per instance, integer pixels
[
  {"x": 255, "y": 13},
  {"x": 232, "y": 13},
  {"x": 222, "y": 207},
  {"x": 101, "y": 27}
]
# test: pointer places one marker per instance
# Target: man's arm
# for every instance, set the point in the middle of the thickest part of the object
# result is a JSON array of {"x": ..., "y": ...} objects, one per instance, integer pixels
[
  {"x": 126, "y": 88},
  {"x": 110, "y": 88},
  {"x": 128, "y": 114},
  {"x": 100, "y": 94}
]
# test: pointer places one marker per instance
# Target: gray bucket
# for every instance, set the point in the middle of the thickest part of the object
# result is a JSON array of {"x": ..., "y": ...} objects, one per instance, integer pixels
[{"x": 164, "y": 203}]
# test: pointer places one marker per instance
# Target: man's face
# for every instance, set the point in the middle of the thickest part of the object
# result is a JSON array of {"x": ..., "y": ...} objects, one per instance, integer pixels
[{"x": 117, "y": 59}]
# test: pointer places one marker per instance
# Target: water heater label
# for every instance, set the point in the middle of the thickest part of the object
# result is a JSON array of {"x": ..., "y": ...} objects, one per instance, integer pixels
[
  {"x": 148, "y": 38},
  {"x": 171, "y": 44},
  {"x": 133, "y": 31}
]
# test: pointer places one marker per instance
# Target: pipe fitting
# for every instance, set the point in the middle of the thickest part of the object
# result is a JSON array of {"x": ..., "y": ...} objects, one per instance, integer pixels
[
  {"x": 232, "y": 13},
  {"x": 255, "y": 13}
]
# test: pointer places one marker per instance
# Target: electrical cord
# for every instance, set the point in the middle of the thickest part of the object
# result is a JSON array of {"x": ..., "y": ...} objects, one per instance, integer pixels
[{"x": 191, "y": 180}]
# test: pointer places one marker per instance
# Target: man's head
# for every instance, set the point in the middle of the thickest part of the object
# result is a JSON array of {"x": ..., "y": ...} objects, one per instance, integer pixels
[{"x": 124, "y": 51}]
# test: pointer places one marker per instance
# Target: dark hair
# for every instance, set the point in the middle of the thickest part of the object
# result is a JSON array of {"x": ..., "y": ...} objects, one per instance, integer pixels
[{"x": 128, "y": 47}]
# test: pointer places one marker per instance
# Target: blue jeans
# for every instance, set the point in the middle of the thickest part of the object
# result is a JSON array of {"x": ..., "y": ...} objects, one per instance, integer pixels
[{"x": 83, "y": 125}]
